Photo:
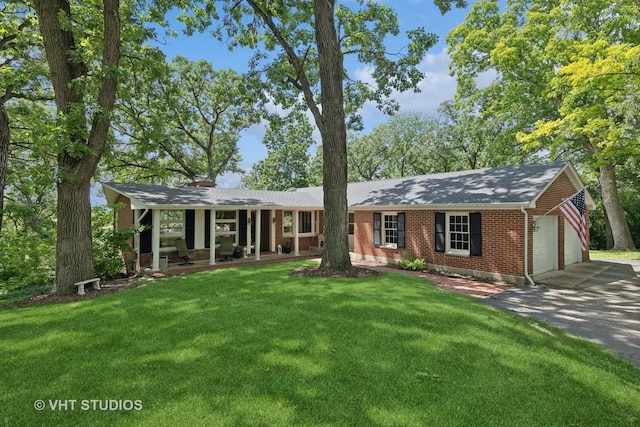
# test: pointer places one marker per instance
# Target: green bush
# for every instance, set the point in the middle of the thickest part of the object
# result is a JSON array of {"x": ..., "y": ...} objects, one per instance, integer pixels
[
  {"x": 108, "y": 243},
  {"x": 27, "y": 264},
  {"x": 411, "y": 262}
]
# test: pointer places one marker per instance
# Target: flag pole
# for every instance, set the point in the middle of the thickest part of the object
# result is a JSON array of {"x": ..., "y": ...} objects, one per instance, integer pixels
[{"x": 562, "y": 203}]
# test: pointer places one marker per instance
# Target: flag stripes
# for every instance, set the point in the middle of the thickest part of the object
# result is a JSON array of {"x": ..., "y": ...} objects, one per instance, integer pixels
[{"x": 574, "y": 212}]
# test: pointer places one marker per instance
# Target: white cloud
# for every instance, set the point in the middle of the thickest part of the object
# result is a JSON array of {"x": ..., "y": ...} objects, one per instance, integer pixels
[{"x": 436, "y": 87}]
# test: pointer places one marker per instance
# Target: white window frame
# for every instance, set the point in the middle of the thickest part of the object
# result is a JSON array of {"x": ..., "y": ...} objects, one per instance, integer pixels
[
  {"x": 460, "y": 230},
  {"x": 384, "y": 243},
  {"x": 170, "y": 234},
  {"x": 221, "y": 223},
  {"x": 314, "y": 223}
]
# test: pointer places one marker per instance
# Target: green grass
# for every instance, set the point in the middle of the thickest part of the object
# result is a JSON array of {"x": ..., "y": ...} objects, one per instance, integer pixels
[
  {"x": 619, "y": 255},
  {"x": 253, "y": 346}
]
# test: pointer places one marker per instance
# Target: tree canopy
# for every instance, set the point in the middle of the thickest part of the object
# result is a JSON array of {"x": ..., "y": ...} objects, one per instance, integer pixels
[{"x": 568, "y": 75}]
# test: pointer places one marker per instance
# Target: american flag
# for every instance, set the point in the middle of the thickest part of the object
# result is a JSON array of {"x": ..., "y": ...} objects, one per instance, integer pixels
[{"x": 574, "y": 212}]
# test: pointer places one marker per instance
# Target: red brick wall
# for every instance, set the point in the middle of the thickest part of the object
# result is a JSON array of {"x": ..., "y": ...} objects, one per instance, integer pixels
[
  {"x": 502, "y": 242},
  {"x": 502, "y": 235}
]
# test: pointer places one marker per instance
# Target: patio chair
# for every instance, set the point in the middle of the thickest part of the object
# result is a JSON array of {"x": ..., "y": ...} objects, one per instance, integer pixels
[
  {"x": 184, "y": 252},
  {"x": 226, "y": 247}
]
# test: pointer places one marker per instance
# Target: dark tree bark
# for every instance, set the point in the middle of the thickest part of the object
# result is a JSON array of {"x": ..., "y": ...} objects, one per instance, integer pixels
[
  {"x": 5, "y": 138},
  {"x": 333, "y": 130},
  {"x": 77, "y": 164}
]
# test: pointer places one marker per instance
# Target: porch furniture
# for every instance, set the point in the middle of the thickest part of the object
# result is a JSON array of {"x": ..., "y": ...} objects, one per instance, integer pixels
[
  {"x": 226, "y": 247},
  {"x": 80, "y": 285},
  {"x": 184, "y": 252},
  {"x": 321, "y": 241}
]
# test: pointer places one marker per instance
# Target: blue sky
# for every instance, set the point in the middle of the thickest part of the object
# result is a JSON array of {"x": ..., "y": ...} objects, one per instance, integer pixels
[{"x": 435, "y": 88}]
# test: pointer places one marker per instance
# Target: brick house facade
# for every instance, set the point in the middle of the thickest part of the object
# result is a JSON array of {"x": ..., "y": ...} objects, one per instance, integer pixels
[{"x": 499, "y": 223}]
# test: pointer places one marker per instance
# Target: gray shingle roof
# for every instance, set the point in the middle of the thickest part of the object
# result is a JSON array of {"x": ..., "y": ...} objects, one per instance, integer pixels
[
  {"x": 165, "y": 195},
  {"x": 507, "y": 185}
]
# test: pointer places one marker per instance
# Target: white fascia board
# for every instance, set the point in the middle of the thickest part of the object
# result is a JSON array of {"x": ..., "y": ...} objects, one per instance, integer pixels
[{"x": 111, "y": 194}]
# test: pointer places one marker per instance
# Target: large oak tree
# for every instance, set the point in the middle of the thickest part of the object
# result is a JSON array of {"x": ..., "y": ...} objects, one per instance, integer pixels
[
  {"x": 84, "y": 106},
  {"x": 300, "y": 48}
]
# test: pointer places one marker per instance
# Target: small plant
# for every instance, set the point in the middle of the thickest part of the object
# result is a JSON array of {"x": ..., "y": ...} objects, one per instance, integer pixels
[
  {"x": 287, "y": 247},
  {"x": 411, "y": 262}
]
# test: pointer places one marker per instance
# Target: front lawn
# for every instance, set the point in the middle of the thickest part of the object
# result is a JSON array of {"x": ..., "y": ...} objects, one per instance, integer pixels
[
  {"x": 254, "y": 346},
  {"x": 614, "y": 255}
]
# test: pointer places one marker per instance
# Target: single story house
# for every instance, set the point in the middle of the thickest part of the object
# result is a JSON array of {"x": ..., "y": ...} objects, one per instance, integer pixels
[{"x": 500, "y": 223}]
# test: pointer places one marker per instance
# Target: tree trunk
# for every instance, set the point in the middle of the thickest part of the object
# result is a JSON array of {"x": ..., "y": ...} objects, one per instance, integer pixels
[
  {"x": 622, "y": 239},
  {"x": 334, "y": 140},
  {"x": 74, "y": 249},
  {"x": 78, "y": 160},
  {"x": 5, "y": 138}
]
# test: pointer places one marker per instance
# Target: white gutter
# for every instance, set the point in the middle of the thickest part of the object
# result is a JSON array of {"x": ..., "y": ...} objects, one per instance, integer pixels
[{"x": 526, "y": 247}]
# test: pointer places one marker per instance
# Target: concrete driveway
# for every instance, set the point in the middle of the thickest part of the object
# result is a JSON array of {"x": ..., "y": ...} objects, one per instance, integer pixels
[{"x": 599, "y": 301}]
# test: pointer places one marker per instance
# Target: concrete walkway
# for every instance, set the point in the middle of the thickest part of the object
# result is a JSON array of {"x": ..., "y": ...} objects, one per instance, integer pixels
[{"x": 599, "y": 301}]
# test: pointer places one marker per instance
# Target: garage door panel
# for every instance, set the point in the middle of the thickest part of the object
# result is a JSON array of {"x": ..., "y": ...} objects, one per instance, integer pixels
[
  {"x": 572, "y": 250},
  {"x": 545, "y": 245}
]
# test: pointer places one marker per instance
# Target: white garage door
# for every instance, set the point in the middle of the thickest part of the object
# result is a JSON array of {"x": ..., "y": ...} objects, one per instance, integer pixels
[
  {"x": 572, "y": 251},
  {"x": 545, "y": 245}
]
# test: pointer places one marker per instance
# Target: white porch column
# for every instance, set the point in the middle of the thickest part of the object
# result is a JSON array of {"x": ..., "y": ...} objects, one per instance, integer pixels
[
  {"x": 296, "y": 237},
  {"x": 155, "y": 240},
  {"x": 249, "y": 232},
  {"x": 212, "y": 237},
  {"x": 258, "y": 225},
  {"x": 272, "y": 239}
]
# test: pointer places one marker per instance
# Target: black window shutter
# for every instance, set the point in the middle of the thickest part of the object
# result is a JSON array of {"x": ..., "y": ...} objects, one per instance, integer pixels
[
  {"x": 145, "y": 235},
  {"x": 190, "y": 227},
  {"x": 441, "y": 224},
  {"x": 401, "y": 229},
  {"x": 242, "y": 230},
  {"x": 475, "y": 234},
  {"x": 377, "y": 228},
  {"x": 207, "y": 228}
]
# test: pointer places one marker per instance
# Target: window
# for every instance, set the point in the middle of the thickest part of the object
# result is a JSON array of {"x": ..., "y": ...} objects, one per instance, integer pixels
[
  {"x": 306, "y": 222},
  {"x": 287, "y": 223},
  {"x": 351, "y": 223},
  {"x": 226, "y": 223},
  {"x": 389, "y": 229},
  {"x": 171, "y": 227},
  {"x": 458, "y": 233}
]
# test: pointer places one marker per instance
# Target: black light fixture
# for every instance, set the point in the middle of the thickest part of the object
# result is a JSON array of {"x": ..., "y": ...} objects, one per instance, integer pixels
[{"x": 535, "y": 226}]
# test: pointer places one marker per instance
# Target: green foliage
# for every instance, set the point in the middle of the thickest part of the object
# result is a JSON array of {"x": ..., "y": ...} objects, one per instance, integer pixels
[
  {"x": 287, "y": 164},
  {"x": 108, "y": 243},
  {"x": 27, "y": 261},
  {"x": 410, "y": 262}
]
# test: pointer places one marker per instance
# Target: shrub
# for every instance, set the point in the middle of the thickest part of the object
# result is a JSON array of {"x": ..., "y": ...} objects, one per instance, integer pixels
[
  {"x": 27, "y": 263},
  {"x": 411, "y": 262},
  {"x": 108, "y": 243}
]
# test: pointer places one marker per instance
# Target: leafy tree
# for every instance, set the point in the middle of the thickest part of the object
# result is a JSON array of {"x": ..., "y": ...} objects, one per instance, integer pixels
[
  {"x": 568, "y": 74},
  {"x": 21, "y": 70},
  {"x": 287, "y": 164},
  {"x": 300, "y": 46},
  {"x": 84, "y": 83},
  {"x": 181, "y": 119}
]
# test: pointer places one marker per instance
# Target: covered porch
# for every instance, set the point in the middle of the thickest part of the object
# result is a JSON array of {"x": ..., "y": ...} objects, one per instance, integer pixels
[{"x": 175, "y": 268}]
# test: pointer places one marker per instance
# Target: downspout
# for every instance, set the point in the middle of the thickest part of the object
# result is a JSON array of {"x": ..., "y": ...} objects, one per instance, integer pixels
[
  {"x": 526, "y": 246},
  {"x": 138, "y": 233}
]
